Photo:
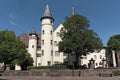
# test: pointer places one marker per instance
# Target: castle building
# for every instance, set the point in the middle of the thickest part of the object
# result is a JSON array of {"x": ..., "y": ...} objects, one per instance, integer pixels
[{"x": 44, "y": 47}]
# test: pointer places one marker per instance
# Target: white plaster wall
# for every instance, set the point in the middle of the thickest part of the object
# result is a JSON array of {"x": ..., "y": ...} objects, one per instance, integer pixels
[
  {"x": 92, "y": 55},
  {"x": 57, "y": 38},
  {"x": 39, "y": 58},
  {"x": 47, "y": 37},
  {"x": 32, "y": 50}
]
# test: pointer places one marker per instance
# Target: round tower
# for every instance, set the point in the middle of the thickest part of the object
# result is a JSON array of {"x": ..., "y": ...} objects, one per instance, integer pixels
[
  {"x": 32, "y": 47},
  {"x": 47, "y": 38}
]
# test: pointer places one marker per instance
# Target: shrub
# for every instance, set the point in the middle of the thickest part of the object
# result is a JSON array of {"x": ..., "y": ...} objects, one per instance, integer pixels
[
  {"x": 47, "y": 67},
  {"x": 116, "y": 73}
]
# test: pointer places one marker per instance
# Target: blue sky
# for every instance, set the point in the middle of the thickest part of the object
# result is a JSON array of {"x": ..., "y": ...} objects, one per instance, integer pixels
[{"x": 21, "y": 15}]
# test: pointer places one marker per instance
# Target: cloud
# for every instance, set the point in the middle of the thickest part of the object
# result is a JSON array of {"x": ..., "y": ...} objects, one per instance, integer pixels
[
  {"x": 12, "y": 20},
  {"x": 12, "y": 23},
  {"x": 11, "y": 16}
]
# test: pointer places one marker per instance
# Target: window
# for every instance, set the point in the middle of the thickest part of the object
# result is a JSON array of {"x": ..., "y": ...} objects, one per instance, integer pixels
[
  {"x": 100, "y": 56},
  {"x": 39, "y": 64},
  {"x": 42, "y": 42},
  {"x": 38, "y": 55},
  {"x": 56, "y": 62},
  {"x": 42, "y": 52},
  {"x": 51, "y": 32},
  {"x": 51, "y": 52},
  {"x": 58, "y": 34},
  {"x": 55, "y": 43},
  {"x": 95, "y": 57},
  {"x": 43, "y": 32},
  {"x": 51, "y": 21},
  {"x": 49, "y": 63},
  {"x": 96, "y": 64},
  {"x": 51, "y": 42},
  {"x": 100, "y": 63},
  {"x": 85, "y": 57},
  {"x": 57, "y": 54},
  {"x": 61, "y": 29},
  {"x": 32, "y": 46}
]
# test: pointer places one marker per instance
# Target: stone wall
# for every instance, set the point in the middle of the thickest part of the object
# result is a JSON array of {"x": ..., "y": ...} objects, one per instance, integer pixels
[{"x": 57, "y": 73}]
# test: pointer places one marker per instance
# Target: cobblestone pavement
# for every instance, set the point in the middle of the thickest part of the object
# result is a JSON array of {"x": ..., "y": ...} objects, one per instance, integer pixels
[{"x": 56, "y": 78}]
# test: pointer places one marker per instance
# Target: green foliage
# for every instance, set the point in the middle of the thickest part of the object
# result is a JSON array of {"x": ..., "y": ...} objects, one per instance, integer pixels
[
  {"x": 12, "y": 50},
  {"x": 7, "y": 40},
  {"x": 46, "y": 67},
  {"x": 116, "y": 73},
  {"x": 113, "y": 44},
  {"x": 77, "y": 37},
  {"x": 23, "y": 58},
  {"x": 37, "y": 67},
  {"x": 27, "y": 61}
]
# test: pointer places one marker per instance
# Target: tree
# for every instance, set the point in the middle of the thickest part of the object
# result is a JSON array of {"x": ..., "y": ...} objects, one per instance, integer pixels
[
  {"x": 113, "y": 44},
  {"x": 7, "y": 39},
  {"x": 77, "y": 38},
  {"x": 12, "y": 50},
  {"x": 23, "y": 58}
]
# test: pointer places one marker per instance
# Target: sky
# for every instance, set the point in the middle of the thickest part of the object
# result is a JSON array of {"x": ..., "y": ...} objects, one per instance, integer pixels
[{"x": 21, "y": 16}]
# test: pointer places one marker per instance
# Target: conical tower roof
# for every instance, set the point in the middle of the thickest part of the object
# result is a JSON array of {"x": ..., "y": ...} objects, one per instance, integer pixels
[
  {"x": 33, "y": 32},
  {"x": 47, "y": 13}
]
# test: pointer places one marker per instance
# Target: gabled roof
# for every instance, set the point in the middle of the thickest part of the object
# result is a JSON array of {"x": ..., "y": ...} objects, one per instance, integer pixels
[{"x": 25, "y": 39}]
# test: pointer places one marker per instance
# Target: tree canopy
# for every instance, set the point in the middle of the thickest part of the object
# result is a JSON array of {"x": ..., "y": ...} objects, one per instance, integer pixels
[
  {"x": 114, "y": 43},
  {"x": 12, "y": 50},
  {"x": 77, "y": 37}
]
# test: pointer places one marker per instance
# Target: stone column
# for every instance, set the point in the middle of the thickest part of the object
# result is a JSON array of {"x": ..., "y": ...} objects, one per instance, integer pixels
[{"x": 114, "y": 59}]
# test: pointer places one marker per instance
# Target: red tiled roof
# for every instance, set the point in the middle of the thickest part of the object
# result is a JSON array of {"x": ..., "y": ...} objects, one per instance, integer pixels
[{"x": 25, "y": 39}]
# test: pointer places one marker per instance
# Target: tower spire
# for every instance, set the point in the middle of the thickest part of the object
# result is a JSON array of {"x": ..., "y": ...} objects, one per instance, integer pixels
[
  {"x": 73, "y": 11},
  {"x": 47, "y": 13},
  {"x": 33, "y": 30}
]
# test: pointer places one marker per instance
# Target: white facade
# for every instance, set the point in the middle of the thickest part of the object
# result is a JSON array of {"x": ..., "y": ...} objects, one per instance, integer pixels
[
  {"x": 98, "y": 57},
  {"x": 32, "y": 48},
  {"x": 57, "y": 56},
  {"x": 46, "y": 41},
  {"x": 49, "y": 53}
]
